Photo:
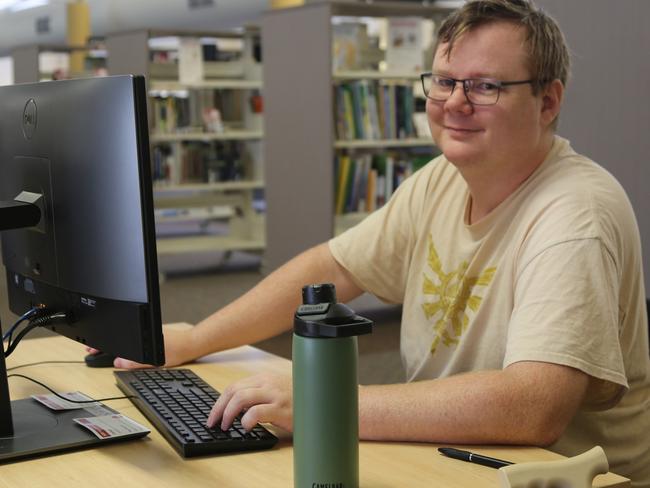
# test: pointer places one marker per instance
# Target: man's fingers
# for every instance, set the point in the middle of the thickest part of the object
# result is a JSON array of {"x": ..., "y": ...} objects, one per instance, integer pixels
[
  {"x": 242, "y": 400},
  {"x": 264, "y": 395},
  {"x": 128, "y": 364},
  {"x": 217, "y": 409},
  {"x": 263, "y": 413}
]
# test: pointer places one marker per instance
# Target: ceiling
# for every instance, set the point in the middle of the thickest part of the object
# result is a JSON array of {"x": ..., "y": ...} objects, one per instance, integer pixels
[{"x": 21, "y": 28}]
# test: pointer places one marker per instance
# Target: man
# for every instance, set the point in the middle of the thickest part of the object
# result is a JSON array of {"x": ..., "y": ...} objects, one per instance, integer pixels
[{"x": 517, "y": 262}]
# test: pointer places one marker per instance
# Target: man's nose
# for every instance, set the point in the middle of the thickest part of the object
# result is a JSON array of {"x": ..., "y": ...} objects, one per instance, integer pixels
[{"x": 458, "y": 100}]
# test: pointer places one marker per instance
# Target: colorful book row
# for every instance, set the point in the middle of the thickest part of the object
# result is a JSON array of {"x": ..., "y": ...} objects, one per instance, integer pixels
[
  {"x": 370, "y": 109},
  {"x": 366, "y": 182}
]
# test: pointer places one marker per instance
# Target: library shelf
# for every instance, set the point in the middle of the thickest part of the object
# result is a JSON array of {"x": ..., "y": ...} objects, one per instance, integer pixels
[
  {"x": 383, "y": 143},
  {"x": 344, "y": 75},
  {"x": 206, "y": 134},
  {"x": 307, "y": 132},
  {"x": 222, "y": 84},
  {"x": 203, "y": 243},
  {"x": 227, "y": 135},
  {"x": 163, "y": 190}
]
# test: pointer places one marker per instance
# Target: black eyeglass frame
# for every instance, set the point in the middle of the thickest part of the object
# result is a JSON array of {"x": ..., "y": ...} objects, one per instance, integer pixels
[{"x": 466, "y": 87}]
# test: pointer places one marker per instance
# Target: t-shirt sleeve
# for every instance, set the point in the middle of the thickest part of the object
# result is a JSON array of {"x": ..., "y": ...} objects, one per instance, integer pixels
[
  {"x": 566, "y": 312},
  {"x": 377, "y": 252}
]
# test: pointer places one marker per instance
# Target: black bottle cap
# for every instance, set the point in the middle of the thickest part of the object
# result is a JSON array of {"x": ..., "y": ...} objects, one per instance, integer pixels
[
  {"x": 323, "y": 293},
  {"x": 321, "y": 317}
]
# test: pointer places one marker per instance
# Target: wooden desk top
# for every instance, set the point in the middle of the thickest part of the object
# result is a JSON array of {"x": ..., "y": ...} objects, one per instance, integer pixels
[{"x": 152, "y": 462}]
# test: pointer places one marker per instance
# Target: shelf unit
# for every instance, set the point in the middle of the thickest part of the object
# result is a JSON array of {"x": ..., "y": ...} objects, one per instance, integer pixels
[
  {"x": 300, "y": 139},
  {"x": 39, "y": 62},
  {"x": 197, "y": 180}
]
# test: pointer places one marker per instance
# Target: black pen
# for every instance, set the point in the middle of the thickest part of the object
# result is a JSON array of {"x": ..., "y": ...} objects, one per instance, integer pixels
[{"x": 471, "y": 457}]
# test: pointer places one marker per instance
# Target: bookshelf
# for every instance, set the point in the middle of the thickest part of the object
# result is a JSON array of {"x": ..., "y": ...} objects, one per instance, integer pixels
[
  {"x": 206, "y": 134},
  {"x": 39, "y": 62},
  {"x": 303, "y": 138}
]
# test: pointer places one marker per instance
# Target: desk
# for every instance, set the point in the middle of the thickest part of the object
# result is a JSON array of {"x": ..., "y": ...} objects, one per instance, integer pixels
[{"x": 151, "y": 462}]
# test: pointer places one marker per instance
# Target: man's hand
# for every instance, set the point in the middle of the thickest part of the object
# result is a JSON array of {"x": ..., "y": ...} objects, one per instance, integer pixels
[
  {"x": 178, "y": 350},
  {"x": 265, "y": 398}
]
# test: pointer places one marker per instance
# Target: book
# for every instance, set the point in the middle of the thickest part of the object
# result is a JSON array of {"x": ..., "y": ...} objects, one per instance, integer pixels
[
  {"x": 392, "y": 113},
  {"x": 340, "y": 121},
  {"x": 348, "y": 104},
  {"x": 346, "y": 38},
  {"x": 371, "y": 194},
  {"x": 389, "y": 177},
  {"x": 364, "y": 101},
  {"x": 352, "y": 180},
  {"x": 342, "y": 183},
  {"x": 373, "y": 112}
]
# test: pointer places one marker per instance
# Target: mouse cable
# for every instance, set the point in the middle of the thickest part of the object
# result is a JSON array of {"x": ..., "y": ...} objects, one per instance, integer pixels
[
  {"x": 18, "y": 375},
  {"x": 44, "y": 362}
]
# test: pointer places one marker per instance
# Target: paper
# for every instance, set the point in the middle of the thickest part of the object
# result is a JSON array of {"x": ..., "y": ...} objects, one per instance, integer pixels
[
  {"x": 404, "y": 49},
  {"x": 53, "y": 402},
  {"x": 190, "y": 61},
  {"x": 111, "y": 426}
]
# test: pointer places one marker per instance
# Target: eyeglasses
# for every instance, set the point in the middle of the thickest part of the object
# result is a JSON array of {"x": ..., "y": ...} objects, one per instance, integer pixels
[{"x": 478, "y": 91}]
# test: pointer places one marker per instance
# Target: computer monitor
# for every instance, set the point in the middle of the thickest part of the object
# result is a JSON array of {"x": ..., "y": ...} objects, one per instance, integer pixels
[{"x": 77, "y": 151}]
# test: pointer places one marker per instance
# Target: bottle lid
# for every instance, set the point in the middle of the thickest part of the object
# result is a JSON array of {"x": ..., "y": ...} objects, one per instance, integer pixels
[{"x": 321, "y": 317}]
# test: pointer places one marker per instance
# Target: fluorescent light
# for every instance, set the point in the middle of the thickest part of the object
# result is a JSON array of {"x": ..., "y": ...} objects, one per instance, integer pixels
[
  {"x": 18, "y": 5},
  {"x": 27, "y": 4}
]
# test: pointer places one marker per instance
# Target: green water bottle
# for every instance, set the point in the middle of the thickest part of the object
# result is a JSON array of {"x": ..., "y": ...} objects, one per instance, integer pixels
[{"x": 325, "y": 391}]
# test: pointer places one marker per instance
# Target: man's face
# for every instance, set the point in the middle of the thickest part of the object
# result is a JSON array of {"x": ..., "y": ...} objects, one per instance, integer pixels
[{"x": 510, "y": 132}]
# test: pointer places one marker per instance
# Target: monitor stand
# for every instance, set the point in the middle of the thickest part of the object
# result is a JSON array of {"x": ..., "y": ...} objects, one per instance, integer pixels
[{"x": 29, "y": 429}]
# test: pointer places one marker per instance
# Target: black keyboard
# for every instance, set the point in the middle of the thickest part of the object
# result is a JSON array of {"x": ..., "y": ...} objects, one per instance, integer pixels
[{"x": 177, "y": 402}]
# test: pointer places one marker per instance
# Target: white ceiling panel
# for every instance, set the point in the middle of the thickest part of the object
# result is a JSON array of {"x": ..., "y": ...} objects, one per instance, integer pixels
[{"x": 47, "y": 24}]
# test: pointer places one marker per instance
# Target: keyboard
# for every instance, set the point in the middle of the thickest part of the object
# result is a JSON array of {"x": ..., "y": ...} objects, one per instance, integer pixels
[{"x": 177, "y": 402}]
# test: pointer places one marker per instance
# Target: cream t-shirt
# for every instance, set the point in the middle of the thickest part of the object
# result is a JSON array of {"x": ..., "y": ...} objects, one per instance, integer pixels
[{"x": 553, "y": 274}]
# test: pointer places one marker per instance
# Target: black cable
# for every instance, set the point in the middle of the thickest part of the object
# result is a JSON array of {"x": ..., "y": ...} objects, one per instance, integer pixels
[
  {"x": 44, "y": 362},
  {"x": 67, "y": 399},
  {"x": 38, "y": 322},
  {"x": 27, "y": 315},
  {"x": 12, "y": 345}
]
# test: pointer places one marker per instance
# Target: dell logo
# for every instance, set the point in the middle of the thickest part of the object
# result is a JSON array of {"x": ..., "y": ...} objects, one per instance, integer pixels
[{"x": 29, "y": 119}]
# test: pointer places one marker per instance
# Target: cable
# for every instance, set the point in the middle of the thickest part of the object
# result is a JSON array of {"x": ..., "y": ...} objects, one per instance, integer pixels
[
  {"x": 44, "y": 362},
  {"x": 18, "y": 375},
  {"x": 21, "y": 319},
  {"x": 38, "y": 322}
]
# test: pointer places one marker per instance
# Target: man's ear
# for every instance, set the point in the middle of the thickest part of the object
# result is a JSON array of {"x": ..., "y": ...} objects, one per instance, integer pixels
[{"x": 551, "y": 101}]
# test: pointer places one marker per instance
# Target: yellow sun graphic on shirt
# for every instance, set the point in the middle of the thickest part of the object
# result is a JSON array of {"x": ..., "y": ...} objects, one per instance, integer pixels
[{"x": 452, "y": 294}]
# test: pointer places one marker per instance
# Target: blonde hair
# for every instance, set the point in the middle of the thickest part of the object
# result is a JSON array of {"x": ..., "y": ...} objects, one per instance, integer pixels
[{"x": 548, "y": 55}]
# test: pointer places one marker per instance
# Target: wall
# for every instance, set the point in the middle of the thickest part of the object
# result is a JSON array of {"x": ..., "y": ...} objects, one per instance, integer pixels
[{"x": 606, "y": 113}]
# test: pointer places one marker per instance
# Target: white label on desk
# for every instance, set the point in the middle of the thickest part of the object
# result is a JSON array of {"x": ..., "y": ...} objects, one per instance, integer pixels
[
  {"x": 111, "y": 426},
  {"x": 53, "y": 402}
]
